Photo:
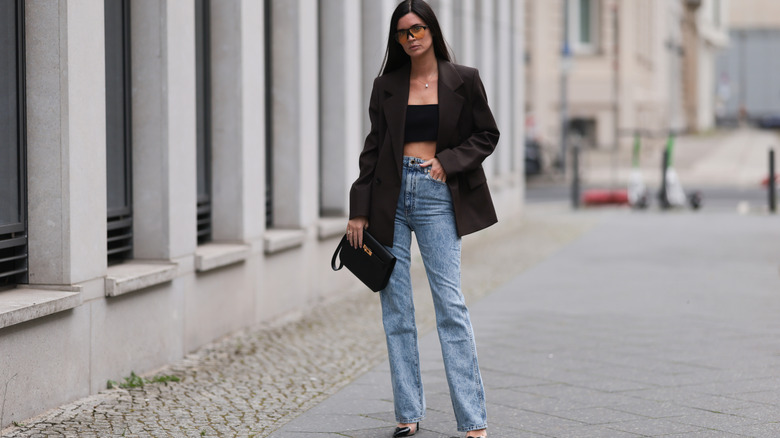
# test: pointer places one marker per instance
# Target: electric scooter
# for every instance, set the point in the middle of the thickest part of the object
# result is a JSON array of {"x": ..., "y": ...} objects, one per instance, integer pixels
[
  {"x": 672, "y": 194},
  {"x": 637, "y": 190}
]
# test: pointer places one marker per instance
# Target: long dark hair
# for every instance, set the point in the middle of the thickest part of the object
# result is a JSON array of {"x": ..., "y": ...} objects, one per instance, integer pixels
[{"x": 395, "y": 57}]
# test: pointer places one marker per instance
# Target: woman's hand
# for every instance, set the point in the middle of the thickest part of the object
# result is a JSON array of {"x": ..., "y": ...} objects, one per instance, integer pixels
[
  {"x": 355, "y": 228},
  {"x": 437, "y": 172}
]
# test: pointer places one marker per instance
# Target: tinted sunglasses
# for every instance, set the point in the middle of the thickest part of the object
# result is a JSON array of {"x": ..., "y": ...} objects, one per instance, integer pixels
[{"x": 417, "y": 31}]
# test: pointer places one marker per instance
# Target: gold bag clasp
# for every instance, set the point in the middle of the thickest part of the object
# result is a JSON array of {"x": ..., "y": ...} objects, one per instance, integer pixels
[{"x": 367, "y": 250}]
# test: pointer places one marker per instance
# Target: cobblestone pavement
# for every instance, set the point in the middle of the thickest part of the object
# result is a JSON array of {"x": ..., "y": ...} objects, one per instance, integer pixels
[{"x": 253, "y": 382}]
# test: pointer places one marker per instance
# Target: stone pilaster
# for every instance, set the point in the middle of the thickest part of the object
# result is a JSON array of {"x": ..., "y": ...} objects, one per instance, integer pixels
[
  {"x": 66, "y": 141},
  {"x": 342, "y": 106},
  {"x": 163, "y": 102},
  {"x": 295, "y": 117},
  {"x": 238, "y": 120}
]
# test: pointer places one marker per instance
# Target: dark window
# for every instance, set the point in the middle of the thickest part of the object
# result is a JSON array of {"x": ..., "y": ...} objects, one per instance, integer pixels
[
  {"x": 203, "y": 113},
  {"x": 118, "y": 131},
  {"x": 586, "y": 22},
  {"x": 13, "y": 202},
  {"x": 269, "y": 180}
]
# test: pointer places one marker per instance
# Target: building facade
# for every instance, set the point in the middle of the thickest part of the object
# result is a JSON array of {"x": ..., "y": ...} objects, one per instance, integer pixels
[
  {"x": 628, "y": 65},
  {"x": 175, "y": 171},
  {"x": 747, "y": 87},
  {"x": 705, "y": 34}
]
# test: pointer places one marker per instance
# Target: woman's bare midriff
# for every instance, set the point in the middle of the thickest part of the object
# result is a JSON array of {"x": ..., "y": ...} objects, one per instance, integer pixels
[{"x": 420, "y": 149}]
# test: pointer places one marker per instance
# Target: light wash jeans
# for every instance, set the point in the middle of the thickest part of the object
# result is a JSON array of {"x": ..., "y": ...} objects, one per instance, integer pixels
[{"x": 425, "y": 207}]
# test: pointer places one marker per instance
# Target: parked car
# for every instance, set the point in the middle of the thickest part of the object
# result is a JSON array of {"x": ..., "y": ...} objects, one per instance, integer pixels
[
  {"x": 533, "y": 157},
  {"x": 769, "y": 121}
]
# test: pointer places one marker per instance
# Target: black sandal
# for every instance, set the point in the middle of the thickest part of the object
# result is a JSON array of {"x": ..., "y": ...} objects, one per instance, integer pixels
[{"x": 406, "y": 431}]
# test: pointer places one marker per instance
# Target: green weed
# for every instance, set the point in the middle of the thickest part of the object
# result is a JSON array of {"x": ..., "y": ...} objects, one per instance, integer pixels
[{"x": 136, "y": 381}]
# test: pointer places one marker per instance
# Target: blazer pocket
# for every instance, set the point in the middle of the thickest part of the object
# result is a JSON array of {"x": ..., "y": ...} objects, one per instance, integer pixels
[{"x": 476, "y": 178}]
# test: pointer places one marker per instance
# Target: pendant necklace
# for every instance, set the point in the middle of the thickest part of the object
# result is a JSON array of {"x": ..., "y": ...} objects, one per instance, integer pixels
[{"x": 424, "y": 83}]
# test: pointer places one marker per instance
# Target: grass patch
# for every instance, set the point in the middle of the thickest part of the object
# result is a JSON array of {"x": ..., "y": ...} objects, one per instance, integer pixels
[{"x": 136, "y": 381}]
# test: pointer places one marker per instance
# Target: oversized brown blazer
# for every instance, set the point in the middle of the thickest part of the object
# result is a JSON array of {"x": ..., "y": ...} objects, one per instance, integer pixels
[{"x": 467, "y": 135}]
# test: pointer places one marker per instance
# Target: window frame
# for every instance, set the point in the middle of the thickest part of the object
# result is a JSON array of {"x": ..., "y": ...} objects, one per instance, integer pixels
[
  {"x": 269, "y": 155},
  {"x": 120, "y": 220},
  {"x": 203, "y": 117},
  {"x": 580, "y": 47},
  {"x": 13, "y": 236}
]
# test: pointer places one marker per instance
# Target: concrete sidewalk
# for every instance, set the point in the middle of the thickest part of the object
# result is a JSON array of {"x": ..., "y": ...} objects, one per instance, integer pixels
[{"x": 651, "y": 324}]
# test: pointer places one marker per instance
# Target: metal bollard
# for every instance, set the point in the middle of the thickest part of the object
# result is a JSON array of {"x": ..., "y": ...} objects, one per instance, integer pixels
[
  {"x": 771, "y": 186},
  {"x": 575, "y": 180},
  {"x": 662, "y": 199}
]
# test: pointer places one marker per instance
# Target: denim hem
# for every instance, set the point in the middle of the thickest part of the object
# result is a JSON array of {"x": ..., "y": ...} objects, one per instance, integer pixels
[
  {"x": 405, "y": 421},
  {"x": 472, "y": 428}
]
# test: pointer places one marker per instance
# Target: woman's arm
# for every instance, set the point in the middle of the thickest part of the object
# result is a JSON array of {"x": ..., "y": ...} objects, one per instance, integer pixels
[
  {"x": 470, "y": 154},
  {"x": 360, "y": 193}
]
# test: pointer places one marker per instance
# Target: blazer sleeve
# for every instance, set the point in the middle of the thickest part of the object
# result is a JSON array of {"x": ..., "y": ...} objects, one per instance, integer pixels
[
  {"x": 470, "y": 154},
  {"x": 360, "y": 193}
]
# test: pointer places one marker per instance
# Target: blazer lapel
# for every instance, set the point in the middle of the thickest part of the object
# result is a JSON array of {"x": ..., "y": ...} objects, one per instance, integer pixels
[
  {"x": 450, "y": 103},
  {"x": 395, "y": 110}
]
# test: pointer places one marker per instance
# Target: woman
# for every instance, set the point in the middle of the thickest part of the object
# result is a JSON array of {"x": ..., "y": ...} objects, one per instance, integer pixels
[{"x": 421, "y": 171}]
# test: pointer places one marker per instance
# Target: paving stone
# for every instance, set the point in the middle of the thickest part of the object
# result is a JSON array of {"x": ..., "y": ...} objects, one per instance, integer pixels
[
  {"x": 655, "y": 427},
  {"x": 598, "y": 416},
  {"x": 594, "y": 432},
  {"x": 709, "y": 433}
]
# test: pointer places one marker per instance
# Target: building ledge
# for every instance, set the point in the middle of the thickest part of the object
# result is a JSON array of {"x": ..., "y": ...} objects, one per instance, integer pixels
[
  {"x": 26, "y": 304},
  {"x": 331, "y": 227},
  {"x": 133, "y": 276},
  {"x": 276, "y": 241},
  {"x": 216, "y": 255}
]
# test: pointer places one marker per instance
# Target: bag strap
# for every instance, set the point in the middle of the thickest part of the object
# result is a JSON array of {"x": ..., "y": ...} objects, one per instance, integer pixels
[{"x": 336, "y": 255}]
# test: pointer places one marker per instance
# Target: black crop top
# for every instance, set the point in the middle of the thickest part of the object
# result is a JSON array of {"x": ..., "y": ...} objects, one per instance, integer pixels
[{"x": 422, "y": 123}]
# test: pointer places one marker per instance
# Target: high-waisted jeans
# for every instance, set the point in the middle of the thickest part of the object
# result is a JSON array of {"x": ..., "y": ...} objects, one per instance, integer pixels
[{"x": 425, "y": 207}]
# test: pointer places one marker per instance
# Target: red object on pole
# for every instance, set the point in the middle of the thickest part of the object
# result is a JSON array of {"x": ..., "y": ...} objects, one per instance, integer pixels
[
  {"x": 765, "y": 181},
  {"x": 605, "y": 197}
]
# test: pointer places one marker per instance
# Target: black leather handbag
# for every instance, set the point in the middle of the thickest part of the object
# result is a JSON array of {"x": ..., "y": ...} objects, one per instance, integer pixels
[{"x": 372, "y": 264}]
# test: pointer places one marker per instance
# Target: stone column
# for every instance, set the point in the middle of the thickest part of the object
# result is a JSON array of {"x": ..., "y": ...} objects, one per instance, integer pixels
[
  {"x": 518, "y": 90},
  {"x": 502, "y": 106},
  {"x": 163, "y": 102},
  {"x": 295, "y": 130},
  {"x": 341, "y": 107},
  {"x": 66, "y": 141},
  {"x": 375, "y": 21},
  {"x": 466, "y": 34},
  {"x": 444, "y": 10},
  {"x": 238, "y": 119},
  {"x": 486, "y": 43}
]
